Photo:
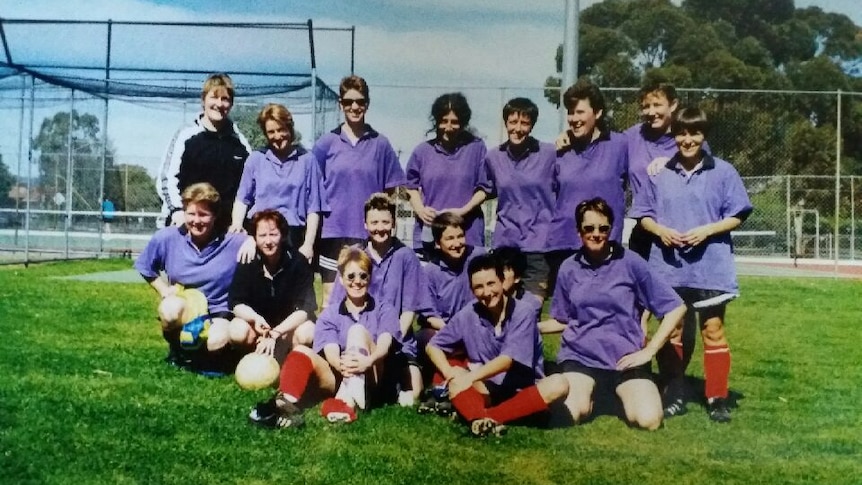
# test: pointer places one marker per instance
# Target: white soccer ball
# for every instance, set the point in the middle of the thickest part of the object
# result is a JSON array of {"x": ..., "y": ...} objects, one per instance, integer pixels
[{"x": 257, "y": 371}]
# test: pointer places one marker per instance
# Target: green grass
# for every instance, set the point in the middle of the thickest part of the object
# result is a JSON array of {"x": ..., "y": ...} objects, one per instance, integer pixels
[{"x": 84, "y": 398}]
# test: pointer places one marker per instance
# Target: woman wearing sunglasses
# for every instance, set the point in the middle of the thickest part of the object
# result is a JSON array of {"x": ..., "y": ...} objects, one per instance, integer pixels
[
  {"x": 352, "y": 339},
  {"x": 600, "y": 292},
  {"x": 356, "y": 161},
  {"x": 398, "y": 280}
]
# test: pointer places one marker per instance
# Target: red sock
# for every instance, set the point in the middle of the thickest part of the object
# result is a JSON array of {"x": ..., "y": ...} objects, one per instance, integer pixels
[
  {"x": 438, "y": 379},
  {"x": 470, "y": 404},
  {"x": 295, "y": 373},
  {"x": 528, "y": 401},
  {"x": 716, "y": 369}
]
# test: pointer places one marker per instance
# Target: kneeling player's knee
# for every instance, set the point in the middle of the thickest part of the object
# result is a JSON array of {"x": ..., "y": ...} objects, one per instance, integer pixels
[
  {"x": 218, "y": 335},
  {"x": 171, "y": 311},
  {"x": 238, "y": 330},
  {"x": 553, "y": 387}
]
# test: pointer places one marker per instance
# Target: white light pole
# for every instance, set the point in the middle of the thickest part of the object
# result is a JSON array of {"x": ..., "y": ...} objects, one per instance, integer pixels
[{"x": 570, "y": 53}]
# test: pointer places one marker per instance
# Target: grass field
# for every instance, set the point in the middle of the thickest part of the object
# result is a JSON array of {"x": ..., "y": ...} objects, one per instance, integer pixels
[{"x": 85, "y": 398}]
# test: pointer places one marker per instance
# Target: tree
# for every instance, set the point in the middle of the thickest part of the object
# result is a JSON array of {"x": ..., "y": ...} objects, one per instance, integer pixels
[
  {"x": 132, "y": 189},
  {"x": 6, "y": 182},
  {"x": 245, "y": 117},
  {"x": 52, "y": 143}
]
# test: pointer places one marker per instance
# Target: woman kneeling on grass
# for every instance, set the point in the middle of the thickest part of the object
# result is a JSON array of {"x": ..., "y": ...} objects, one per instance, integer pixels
[
  {"x": 597, "y": 300},
  {"x": 352, "y": 338},
  {"x": 200, "y": 256}
]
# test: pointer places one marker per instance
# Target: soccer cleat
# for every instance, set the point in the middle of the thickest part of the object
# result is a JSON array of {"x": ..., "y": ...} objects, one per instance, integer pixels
[
  {"x": 271, "y": 414},
  {"x": 717, "y": 410},
  {"x": 675, "y": 408},
  {"x": 444, "y": 408},
  {"x": 177, "y": 358},
  {"x": 284, "y": 406},
  {"x": 262, "y": 411},
  {"x": 428, "y": 406},
  {"x": 483, "y": 427},
  {"x": 337, "y": 411}
]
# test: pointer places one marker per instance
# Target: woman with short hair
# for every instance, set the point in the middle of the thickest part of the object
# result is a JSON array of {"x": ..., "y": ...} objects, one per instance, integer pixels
[
  {"x": 597, "y": 302},
  {"x": 352, "y": 339},
  {"x": 283, "y": 176},
  {"x": 199, "y": 255}
]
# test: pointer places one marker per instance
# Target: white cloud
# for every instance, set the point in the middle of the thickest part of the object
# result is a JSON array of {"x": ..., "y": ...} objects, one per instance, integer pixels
[
  {"x": 481, "y": 57},
  {"x": 525, "y": 7}
]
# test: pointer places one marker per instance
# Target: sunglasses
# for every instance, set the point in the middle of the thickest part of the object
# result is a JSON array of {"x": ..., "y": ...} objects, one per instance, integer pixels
[
  {"x": 589, "y": 228},
  {"x": 348, "y": 102},
  {"x": 363, "y": 276}
]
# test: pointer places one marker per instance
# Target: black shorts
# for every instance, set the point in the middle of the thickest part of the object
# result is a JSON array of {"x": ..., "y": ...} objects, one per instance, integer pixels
[
  {"x": 328, "y": 250},
  {"x": 701, "y": 299},
  {"x": 640, "y": 240},
  {"x": 536, "y": 276},
  {"x": 517, "y": 377},
  {"x": 605, "y": 378}
]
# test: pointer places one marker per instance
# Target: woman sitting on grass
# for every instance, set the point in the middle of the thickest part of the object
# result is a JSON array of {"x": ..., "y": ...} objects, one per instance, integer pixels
[
  {"x": 272, "y": 296},
  {"x": 503, "y": 377},
  {"x": 200, "y": 256},
  {"x": 352, "y": 339}
]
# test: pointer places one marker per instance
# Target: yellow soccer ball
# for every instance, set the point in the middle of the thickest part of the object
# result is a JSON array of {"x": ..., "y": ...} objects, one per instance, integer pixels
[{"x": 257, "y": 371}]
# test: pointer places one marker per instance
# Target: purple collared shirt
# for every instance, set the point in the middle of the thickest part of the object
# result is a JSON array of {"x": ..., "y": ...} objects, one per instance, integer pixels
[
  {"x": 711, "y": 193},
  {"x": 601, "y": 306},
  {"x": 398, "y": 280},
  {"x": 643, "y": 148},
  {"x": 293, "y": 187},
  {"x": 525, "y": 195},
  {"x": 351, "y": 173},
  {"x": 448, "y": 181},
  {"x": 209, "y": 270},
  {"x": 449, "y": 285},
  {"x": 600, "y": 170},
  {"x": 472, "y": 330},
  {"x": 378, "y": 317}
]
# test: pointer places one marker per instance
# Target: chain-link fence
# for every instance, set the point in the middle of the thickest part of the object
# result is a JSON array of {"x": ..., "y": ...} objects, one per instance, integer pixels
[{"x": 54, "y": 207}]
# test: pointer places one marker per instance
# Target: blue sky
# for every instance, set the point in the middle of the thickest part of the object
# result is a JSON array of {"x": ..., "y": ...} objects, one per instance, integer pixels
[{"x": 475, "y": 46}]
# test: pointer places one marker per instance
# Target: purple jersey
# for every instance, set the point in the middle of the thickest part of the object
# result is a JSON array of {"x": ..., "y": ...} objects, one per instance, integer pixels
[
  {"x": 398, "y": 280},
  {"x": 472, "y": 330},
  {"x": 377, "y": 317},
  {"x": 643, "y": 148},
  {"x": 525, "y": 195},
  {"x": 449, "y": 285},
  {"x": 351, "y": 173},
  {"x": 293, "y": 187},
  {"x": 600, "y": 170},
  {"x": 601, "y": 306},
  {"x": 710, "y": 194},
  {"x": 209, "y": 270},
  {"x": 448, "y": 181}
]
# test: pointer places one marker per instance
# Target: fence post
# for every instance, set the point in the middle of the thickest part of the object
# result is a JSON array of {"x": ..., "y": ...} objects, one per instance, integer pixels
[
  {"x": 852, "y": 218},
  {"x": 69, "y": 168},
  {"x": 837, "y": 181},
  {"x": 790, "y": 252}
]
